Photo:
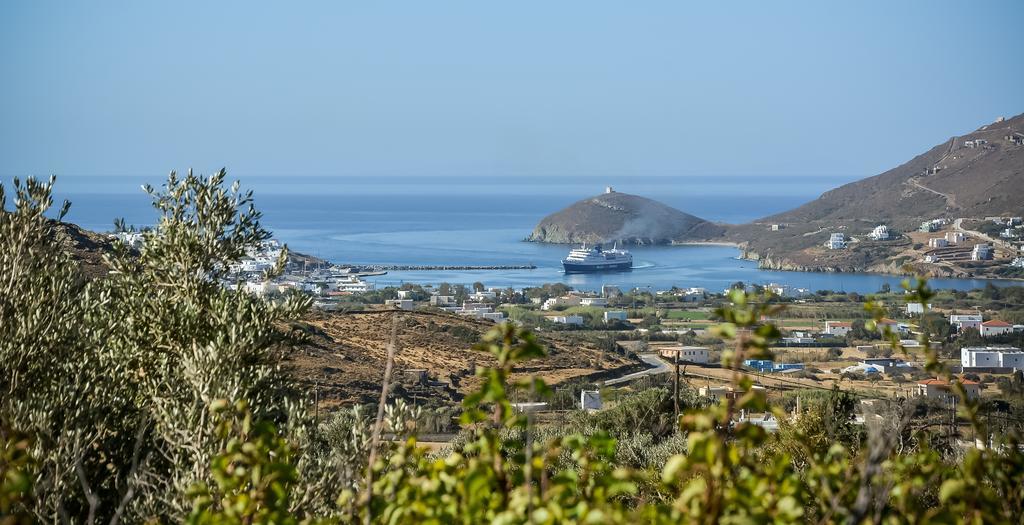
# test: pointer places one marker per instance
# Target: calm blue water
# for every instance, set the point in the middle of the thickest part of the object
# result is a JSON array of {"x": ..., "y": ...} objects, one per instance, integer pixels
[{"x": 463, "y": 221}]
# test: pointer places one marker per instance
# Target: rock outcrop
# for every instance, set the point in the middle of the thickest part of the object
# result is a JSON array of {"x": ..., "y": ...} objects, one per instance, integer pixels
[{"x": 624, "y": 218}]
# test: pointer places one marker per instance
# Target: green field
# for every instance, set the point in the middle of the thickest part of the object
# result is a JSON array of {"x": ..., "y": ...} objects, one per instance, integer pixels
[{"x": 689, "y": 315}]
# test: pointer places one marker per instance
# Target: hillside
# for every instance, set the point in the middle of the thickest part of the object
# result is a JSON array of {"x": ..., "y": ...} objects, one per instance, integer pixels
[
  {"x": 960, "y": 178},
  {"x": 621, "y": 217},
  {"x": 345, "y": 353}
]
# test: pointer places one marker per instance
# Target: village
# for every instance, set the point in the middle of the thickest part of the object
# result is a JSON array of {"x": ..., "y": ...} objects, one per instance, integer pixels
[
  {"x": 828, "y": 341},
  {"x": 993, "y": 243}
]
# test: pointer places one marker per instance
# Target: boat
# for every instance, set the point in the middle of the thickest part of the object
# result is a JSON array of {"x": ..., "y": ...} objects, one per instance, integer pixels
[{"x": 584, "y": 260}]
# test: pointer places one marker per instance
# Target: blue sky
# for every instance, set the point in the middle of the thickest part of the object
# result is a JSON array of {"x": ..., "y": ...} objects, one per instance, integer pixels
[{"x": 485, "y": 89}]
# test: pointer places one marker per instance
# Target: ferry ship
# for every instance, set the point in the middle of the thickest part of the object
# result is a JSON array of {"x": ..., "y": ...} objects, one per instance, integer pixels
[{"x": 583, "y": 260}]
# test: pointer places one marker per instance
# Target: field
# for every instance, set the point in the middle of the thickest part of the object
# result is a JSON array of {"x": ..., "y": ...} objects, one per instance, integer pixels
[{"x": 343, "y": 357}]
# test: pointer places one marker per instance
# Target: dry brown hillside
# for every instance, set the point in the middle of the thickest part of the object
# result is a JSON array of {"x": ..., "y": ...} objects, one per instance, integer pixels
[
  {"x": 976, "y": 175},
  {"x": 345, "y": 355},
  {"x": 951, "y": 179}
]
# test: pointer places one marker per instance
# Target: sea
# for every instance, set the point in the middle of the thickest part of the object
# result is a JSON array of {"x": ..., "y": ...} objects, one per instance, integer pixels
[{"x": 483, "y": 221}]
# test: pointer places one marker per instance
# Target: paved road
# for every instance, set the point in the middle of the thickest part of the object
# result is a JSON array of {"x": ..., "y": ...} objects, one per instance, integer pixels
[
  {"x": 660, "y": 366},
  {"x": 957, "y": 224}
]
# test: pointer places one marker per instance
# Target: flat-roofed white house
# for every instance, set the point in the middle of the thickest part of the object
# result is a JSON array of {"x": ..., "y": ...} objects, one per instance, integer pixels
[
  {"x": 992, "y": 357},
  {"x": 937, "y": 242},
  {"x": 838, "y": 328},
  {"x": 981, "y": 252},
  {"x": 687, "y": 354},
  {"x": 400, "y": 304},
  {"x": 836, "y": 241},
  {"x": 614, "y": 315},
  {"x": 954, "y": 237},
  {"x": 442, "y": 300},
  {"x": 880, "y": 233},
  {"x": 555, "y": 302},
  {"x": 574, "y": 320},
  {"x": 483, "y": 296},
  {"x": 965, "y": 321},
  {"x": 916, "y": 308},
  {"x": 593, "y": 301},
  {"x": 995, "y": 327}
]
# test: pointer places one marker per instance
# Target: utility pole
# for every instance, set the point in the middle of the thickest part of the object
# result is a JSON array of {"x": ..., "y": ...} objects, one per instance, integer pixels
[{"x": 675, "y": 388}]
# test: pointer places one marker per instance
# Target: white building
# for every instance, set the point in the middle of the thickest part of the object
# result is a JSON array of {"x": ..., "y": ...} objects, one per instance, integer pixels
[
  {"x": 593, "y": 301},
  {"x": 880, "y": 233},
  {"x": 353, "y": 285},
  {"x": 442, "y": 300},
  {"x": 259, "y": 288},
  {"x": 614, "y": 315},
  {"x": 131, "y": 239},
  {"x": 610, "y": 290},
  {"x": 836, "y": 241},
  {"x": 399, "y": 304},
  {"x": 405, "y": 294},
  {"x": 574, "y": 320},
  {"x": 937, "y": 242},
  {"x": 497, "y": 317},
  {"x": 556, "y": 302},
  {"x": 941, "y": 389},
  {"x": 714, "y": 393},
  {"x": 686, "y": 354},
  {"x": 484, "y": 296},
  {"x": 954, "y": 237},
  {"x": 995, "y": 327},
  {"x": 838, "y": 328},
  {"x": 981, "y": 252},
  {"x": 963, "y": 322},
  {"x": 916, "y": 308},
  {"x": 992, "y": 357},
  {"x": 1018, "y": 262},
  {"x": 590, "y": 400}
]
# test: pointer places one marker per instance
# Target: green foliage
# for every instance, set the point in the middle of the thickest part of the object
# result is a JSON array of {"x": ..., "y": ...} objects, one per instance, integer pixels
[
  {"x": 254, "y": 473},
  {"x": 113, "y": 378},
  {"x": 113, "y": 408}
]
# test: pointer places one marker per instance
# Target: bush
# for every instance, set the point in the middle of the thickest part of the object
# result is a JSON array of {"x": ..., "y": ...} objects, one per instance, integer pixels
[{"x": 155, "y": 394}]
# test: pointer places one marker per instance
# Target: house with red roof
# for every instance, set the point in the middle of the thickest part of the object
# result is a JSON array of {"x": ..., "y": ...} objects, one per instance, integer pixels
[
  {"x": 995, "y": 327},
  {"x": 943, "y": 390}
]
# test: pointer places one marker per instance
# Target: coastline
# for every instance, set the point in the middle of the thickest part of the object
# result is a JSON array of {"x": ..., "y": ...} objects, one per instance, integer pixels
[
  {"x": 738, "y": 246},
  {"x": 888, "y": 270}
]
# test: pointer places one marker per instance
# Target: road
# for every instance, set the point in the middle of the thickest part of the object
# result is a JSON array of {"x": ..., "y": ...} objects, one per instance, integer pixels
[
  {"x": 660, "y": 366},
  {"x": 950, "y": 200},
  {"x": 958, "y": 225}
]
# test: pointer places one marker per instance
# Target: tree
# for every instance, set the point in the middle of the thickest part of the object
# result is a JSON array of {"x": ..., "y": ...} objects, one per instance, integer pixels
[
  {"x": 478, "y": 287},
  {"x": 114, "y": 377}
]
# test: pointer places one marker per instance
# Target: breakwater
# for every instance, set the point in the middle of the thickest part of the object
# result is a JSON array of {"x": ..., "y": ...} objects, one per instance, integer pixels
[{"x": 439, "y": 267}]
